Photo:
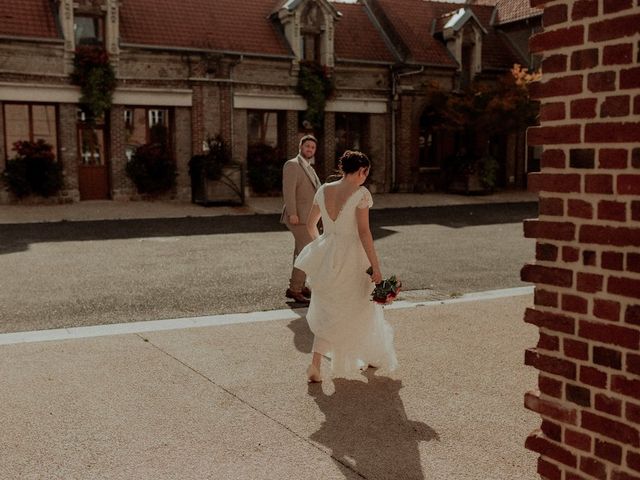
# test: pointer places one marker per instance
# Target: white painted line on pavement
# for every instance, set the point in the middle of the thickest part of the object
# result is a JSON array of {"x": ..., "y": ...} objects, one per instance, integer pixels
[{"x": 226, "y": 319}]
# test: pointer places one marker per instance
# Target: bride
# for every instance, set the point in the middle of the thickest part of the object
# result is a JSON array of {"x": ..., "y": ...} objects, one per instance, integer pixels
[{"x": 348, "y": 327}]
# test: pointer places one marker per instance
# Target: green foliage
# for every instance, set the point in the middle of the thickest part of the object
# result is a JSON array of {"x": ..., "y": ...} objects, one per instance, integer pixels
[
  {"x": 264, "y": 166},
  {"x": 212, "y": 162},
  {"x": 316, "y": 86},
  {"x": 152, "y": 169},
  {"x": 34, "y": 170},
  {"x": 488, "y": 169},
  {"x": 97, "y": 80}
]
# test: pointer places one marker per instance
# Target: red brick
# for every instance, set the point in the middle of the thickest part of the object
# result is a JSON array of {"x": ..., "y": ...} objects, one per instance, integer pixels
[
  {"x": 593, "y": 467},
  {"x": 548, "y": 342},
  {"x": 625, "y": 386},
  {"x": 570, "y": 254},
  {"x": 573, "y": 476},
  {"x": 618, "y": 54},
  {"x": 601, "y": 81},
  {"x": 617, "y": 475},
  {"x": 554, "y": 15},
  {"x": 573, "y": 303},
  {"x": 579, "y": 208},
  {"x": 612, "y": 6},
  {"x": 630, "y": 78},
  {"x": 554, "y": 365},
  {"x": 584, "y": 8},
  {"x": 554, "y": 182},
  {"x": 628, "y": 287},
  {"x": 549, "y": 386},
  {"x": 556, "y": 87},
  {"x": 632, "y": 315},
  {"x": 589, "y": 258},
  {"x": 608, "y": 451},
  {"x": 607, "y": 357},
  {"x": 549, "y": 230},
  {"x": 551, "y": 321},
  {"x": 611, "y": 334},
  {"x": 552, "y": 111},
  {"x": 584, "y": 108},
  {"x": 582, "y": 158},
  {"x": 632, "y": 412},
  {"x": 633, "y": 460},
  {"x": 578, "y": 395},
  {"x": 613, "y": 158},
  {"x": 628, "y": 184},
  {"x": 635, "y": 210},
  {"x": 551, "y": 206},
  {"x": 554, "y": 64},
  {"x": 559, "y": 277},
  {"x": 548, "y": 470},
  {"x": 538, "y": 443},
  {"x": 605, "y": 235},
  {"x": 635, "y": 158},
  {"x": 546, "y": 252},
  {"x": 606, "y": 309},
  {"x": 608, "y": 210},
  {"x": 618, "y": 27},
  {"x": 584, "y": 59},
  {"x": 612, "y": 260},
  {"x": 612, "y": 132},
  {"x": 598, "y": 183},
  {"x": 618, "y": 106},
  {"x": 636, "y": 105},
  {"x": 550, "y": 409},
  {"x": 552, "y": 430},
  {"x": 589, "y": 282},
  {"x": 545, "y": 298},
  {"x": 633, "y": 262},
  {"x": 610, "y": 428},
  {"x": 562, "y": 37},
  {"x": 633, "y": 363},
  {"x": 610, "y": 405},
  {"x": 593, "y": 376},
  {"x": 552, "y": 159},
  {"x": 576, "y": 349},
  {"x": 577, "y": 440}
]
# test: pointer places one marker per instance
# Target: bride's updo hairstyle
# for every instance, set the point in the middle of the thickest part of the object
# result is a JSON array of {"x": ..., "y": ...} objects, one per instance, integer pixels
[{"x": 351, "y": 161}]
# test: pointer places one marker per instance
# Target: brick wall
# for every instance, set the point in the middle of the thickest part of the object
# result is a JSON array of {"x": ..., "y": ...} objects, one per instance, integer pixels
[{"x": 587, "y": 267}]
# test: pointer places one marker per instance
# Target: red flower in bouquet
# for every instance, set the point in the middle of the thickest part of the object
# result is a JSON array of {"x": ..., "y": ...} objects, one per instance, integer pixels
[{"x": 386, "y": 291}]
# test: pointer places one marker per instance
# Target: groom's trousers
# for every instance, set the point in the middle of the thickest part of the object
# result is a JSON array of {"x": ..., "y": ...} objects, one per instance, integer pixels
[{"x": 302, "y": 238}]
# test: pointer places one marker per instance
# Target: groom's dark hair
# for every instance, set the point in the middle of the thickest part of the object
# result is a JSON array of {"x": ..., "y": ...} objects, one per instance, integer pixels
[{"x": 307, "y": 138}]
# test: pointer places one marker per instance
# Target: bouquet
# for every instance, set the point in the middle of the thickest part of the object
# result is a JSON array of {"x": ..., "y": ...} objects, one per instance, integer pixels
[{"x": 386, "y": 291}]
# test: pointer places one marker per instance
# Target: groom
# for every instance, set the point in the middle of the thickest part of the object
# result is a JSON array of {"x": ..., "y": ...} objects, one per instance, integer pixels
[{"x": 299, "y": 185}]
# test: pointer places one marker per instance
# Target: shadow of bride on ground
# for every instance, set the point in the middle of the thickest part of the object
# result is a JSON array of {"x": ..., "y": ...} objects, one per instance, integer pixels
[
  {"x": 367, "y": 430},
  {"x": 302, "y": 336}
]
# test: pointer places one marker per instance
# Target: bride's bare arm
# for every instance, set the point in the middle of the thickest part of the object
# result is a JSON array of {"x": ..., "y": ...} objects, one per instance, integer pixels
[
  {"x": 312, "y": 221},
  {"x": 362, "y": 215}
]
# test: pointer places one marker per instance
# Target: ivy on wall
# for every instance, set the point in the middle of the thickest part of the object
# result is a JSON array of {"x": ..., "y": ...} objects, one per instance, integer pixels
[
  {"x": 93, "y": 72},
  {"x": 316, "y": 86}
]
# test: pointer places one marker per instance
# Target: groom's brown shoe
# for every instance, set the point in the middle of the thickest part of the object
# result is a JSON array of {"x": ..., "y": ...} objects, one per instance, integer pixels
[
  {"x": 306, "y": 292},
  {"x": 298, "y": 297}
]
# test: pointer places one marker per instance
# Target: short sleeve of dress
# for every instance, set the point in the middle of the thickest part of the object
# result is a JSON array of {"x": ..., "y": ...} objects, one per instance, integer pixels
[{"x": 366, "y": 201}]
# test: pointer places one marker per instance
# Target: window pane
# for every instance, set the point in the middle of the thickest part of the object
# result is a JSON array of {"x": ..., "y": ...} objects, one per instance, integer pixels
[
  {"x": 86, "y": 30},
  {"x": 16, "y": 119},
  {"x": 263, "y": 127},
  {"x": 91, "y": 146},
  {"x": 44, "y": 124}
]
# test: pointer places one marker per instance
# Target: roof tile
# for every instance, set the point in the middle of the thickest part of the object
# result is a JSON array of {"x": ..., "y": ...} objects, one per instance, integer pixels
[
  {"x": 28, "y": 18},
  {"x": 356, "y": 38}
]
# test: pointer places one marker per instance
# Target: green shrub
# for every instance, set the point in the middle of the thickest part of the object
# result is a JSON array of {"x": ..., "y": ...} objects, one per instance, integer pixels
[
  {"x": 152, "y": 169},
  {"x": 212, "y": 162},
  {"x": 34, "y": 170},
  {"x": 264, "y": 168}
]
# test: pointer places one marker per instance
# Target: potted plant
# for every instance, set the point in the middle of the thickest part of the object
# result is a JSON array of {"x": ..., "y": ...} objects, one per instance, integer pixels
[
  {"x": 215, "y": 177},
  {"x": 152, "y": 169},
  {"x": 265, "y": 169},
  {"x": 33, "y": 171}
]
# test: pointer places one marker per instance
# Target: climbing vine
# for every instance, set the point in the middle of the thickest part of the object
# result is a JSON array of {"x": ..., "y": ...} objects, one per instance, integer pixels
[
  {"x": 316, "y": 86},
  {"x": 97, "y": 80}
]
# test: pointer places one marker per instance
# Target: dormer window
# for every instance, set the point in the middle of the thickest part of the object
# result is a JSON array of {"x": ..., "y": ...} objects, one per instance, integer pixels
[
  {"x": 88, "y": 29},
  {"x": 311, "y": 29}
]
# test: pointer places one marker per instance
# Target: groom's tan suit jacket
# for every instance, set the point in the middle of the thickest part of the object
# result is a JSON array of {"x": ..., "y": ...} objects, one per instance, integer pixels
[{"x": 299, "y": 185}]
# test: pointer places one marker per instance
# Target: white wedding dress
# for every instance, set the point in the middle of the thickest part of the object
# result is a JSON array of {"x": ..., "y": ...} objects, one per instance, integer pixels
[{"x": 349, "y": 328}]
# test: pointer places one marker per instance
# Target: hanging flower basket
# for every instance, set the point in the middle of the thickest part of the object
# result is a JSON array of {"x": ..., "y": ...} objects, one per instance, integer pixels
[{"x": 97, "y": 80}]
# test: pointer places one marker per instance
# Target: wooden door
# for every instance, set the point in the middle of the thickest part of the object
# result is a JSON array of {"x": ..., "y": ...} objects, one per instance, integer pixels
[{"x": 93, "y": 169}]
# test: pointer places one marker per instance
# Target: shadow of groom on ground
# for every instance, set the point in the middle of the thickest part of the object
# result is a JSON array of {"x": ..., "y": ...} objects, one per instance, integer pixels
[{"x": 366, "y": 429}]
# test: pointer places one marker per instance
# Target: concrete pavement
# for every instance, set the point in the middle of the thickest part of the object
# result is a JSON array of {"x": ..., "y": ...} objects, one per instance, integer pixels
[
  {"x": 114, "y": 210},
  {"x": 230, "y": 402}
]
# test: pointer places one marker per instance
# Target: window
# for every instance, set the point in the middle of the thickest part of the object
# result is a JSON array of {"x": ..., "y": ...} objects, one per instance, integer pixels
[
  {"x": 146, "y": 125},
  {"x": 351, "y": 132},
  {"x": 311, "y": 33},
  {"x": 88, "y": 29},
  {"x": 30, "y": 122},
  {"x": 264, "y": 126}
]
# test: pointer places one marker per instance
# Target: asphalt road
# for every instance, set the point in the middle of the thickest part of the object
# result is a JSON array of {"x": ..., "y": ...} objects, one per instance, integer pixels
[{"x": 87, "y": 273}]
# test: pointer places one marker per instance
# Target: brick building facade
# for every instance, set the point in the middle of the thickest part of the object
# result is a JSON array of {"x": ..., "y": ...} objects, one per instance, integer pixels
[
  {"x": 229, "y": 67},
  {"x": 587, "y": 267}
]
